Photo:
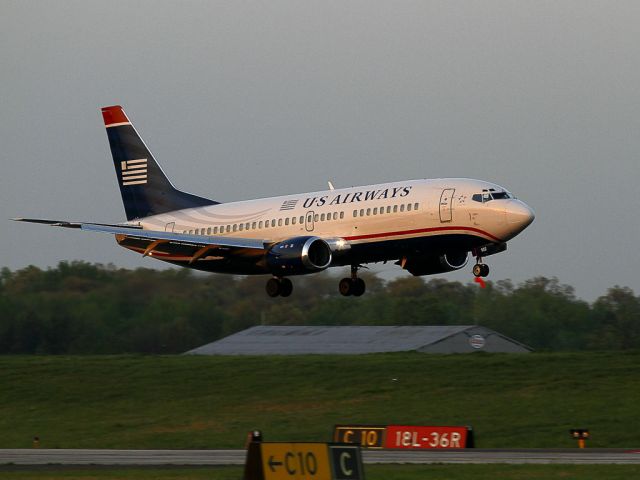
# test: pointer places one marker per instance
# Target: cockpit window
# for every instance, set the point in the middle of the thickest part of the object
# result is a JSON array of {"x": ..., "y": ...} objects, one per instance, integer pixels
[
  {"x": 500, "y": 195},
  {"x": 490, "y": 194}
]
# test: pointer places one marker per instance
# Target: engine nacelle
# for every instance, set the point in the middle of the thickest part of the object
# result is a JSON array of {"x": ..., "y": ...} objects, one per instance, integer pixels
[
  {"x": 298, "y": 255},
  {"x": 431, "y": 264}
]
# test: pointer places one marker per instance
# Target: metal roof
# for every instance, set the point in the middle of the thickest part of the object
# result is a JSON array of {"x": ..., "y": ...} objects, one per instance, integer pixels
[{"x": 290, "y": 340}]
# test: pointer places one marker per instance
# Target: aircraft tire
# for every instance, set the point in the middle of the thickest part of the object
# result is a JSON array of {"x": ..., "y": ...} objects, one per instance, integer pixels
[
  {"x": 485, "y": 270},
  {"x": 345, "y": 287},
  {"x": 477, "y": 270},
  {"x": 273, "y": 287},
  {"x": 286, "y": 287},
  {"x": 358, "y": 287}
]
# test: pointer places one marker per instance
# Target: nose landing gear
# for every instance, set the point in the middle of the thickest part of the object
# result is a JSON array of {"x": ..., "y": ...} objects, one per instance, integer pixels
[
  {"x": 480, "y": 269},
  {"x": 279, "y": 286},
  {"x": 352, "y": 286}
]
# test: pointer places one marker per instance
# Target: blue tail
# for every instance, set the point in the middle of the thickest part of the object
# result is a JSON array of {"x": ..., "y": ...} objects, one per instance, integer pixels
[{"x": 144, "y": 187}]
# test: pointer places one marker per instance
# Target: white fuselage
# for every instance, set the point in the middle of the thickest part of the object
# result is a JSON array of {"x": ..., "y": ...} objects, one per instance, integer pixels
[{"x": 373, "y": 213}]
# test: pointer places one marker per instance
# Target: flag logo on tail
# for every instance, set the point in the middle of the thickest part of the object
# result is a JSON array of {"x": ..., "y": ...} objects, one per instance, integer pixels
[{"x": 134, "y": 172}]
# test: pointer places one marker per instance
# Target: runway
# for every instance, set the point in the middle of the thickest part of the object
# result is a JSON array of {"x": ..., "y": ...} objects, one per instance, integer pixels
[{"x": 137, "y": 458}]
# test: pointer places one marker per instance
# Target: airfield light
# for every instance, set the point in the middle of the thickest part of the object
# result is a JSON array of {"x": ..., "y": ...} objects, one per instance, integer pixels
[{"x": 581, "y": 435}]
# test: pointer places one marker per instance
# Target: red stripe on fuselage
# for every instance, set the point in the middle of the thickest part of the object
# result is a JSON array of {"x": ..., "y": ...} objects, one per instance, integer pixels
[{"x": 422, "y": 230}]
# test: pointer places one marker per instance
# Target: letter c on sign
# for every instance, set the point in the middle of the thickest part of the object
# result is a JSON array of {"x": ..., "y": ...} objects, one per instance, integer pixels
[
  {"x": 344, "y": 456},
  {"x": 291, "y": 470},
  {"x": 347, "y": 436}
]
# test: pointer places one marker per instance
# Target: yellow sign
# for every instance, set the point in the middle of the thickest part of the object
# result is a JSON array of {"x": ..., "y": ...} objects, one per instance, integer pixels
[
  {"x": 295, "y": 461},
  {"x": 366, "y": 436}
]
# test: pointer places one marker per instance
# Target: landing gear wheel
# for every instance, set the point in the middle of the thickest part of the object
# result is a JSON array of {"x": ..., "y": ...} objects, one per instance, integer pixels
[
  {"x": 485, "y": 269},
  {"x": 345, "y": 287},
  {"x": 481, "y": 270},
  {"x": 352, "y": 286},
  {"x": 273, "y": 287},
  {"x": 358, "y": 287},
  {"x": 477, "y": 270},
  {"x": 279, "y": 287},
  {"x": 286, "y": 287}
]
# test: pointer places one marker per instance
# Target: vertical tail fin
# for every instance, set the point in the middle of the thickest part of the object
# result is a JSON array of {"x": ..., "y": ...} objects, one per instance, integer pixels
[{"x": 144, "y": 187}]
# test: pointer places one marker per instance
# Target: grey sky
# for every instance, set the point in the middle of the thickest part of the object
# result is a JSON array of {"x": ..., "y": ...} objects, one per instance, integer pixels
[{"x": 250, "y": 99}]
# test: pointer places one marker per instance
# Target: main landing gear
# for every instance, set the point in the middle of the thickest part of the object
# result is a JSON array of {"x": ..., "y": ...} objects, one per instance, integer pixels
[
  {"x": 480, "y": 269},
  {"x": 279, "y": 286},
  {"x": 352, "y": 286}
]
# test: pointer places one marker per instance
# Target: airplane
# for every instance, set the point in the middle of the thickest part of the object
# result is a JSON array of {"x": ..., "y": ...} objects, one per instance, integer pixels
[{"x": 427, "y": 226}]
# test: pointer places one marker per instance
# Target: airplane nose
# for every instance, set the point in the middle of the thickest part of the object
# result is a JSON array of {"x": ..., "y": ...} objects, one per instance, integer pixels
[{"x": 519, "y": 214}]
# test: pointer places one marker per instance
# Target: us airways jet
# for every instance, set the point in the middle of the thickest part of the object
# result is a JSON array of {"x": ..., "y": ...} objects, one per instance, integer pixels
[{"x": 425, "y": 226}]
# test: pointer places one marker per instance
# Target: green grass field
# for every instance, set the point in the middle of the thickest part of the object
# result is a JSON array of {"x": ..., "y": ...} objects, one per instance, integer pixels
[
  {"x": 372, "y": 472},
  {"x": 211, "y": 402}
]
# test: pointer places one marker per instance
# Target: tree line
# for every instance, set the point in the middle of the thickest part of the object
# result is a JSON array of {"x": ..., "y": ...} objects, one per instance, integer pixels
[{"x": 83, "y": 308}]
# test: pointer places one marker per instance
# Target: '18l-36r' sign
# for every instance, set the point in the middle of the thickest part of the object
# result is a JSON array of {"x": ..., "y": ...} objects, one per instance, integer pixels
[{"x": 405, "y": 436}]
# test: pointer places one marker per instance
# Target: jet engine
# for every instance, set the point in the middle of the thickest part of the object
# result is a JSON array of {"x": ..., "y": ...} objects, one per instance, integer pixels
[
  {"x": 430, "y": 264},
  {"x": 298, "y": 255}
]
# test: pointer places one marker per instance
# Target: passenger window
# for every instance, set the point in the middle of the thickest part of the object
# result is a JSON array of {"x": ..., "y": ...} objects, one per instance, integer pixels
[
  {"x": 402, "y": 207},
  {"x": 241, "y": 226},
  {"x": 415, "y": 206},
  {"x": 279, "y": 222},
  {"x": 293, "y": 220},
  {"x": 253, "y": 226},
  {"x": 208, "y": 230},
  {"x": 375, "y": 211},
  {"x": 260, "y": 224},
  {"x": 341, "y": 215},
  {"x": 362, "y": 212},
  {"x": 355, "y": 213},
  {"x": 322, "y": 217},
  {"x": 286, "y": 221},
  {"x": 368, "y": 212},
  {"x": 409, "y": 207},
  {"x": 247, "y": 225},
  {"x": 315, "y": 218},
  {"x": 389, "y": 209},
  {"x": 235, "y": 227},
  {"x": 395, "y": 209},
  {"x": 335, "y": 215}
]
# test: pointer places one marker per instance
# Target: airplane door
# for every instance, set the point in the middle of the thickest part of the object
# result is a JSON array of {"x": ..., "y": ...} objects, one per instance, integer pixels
[
  {"x": 308, "y": 221},
  {"x": 169, "y": 227},
  {"x": 446, "y": 200}
]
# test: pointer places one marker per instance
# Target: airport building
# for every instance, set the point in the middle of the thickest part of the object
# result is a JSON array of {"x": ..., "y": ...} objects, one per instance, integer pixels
[{"x": 290, "y": 340}]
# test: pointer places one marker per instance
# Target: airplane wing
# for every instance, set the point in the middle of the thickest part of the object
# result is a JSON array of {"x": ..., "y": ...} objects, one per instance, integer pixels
[{"x": 152, "y": 242}]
